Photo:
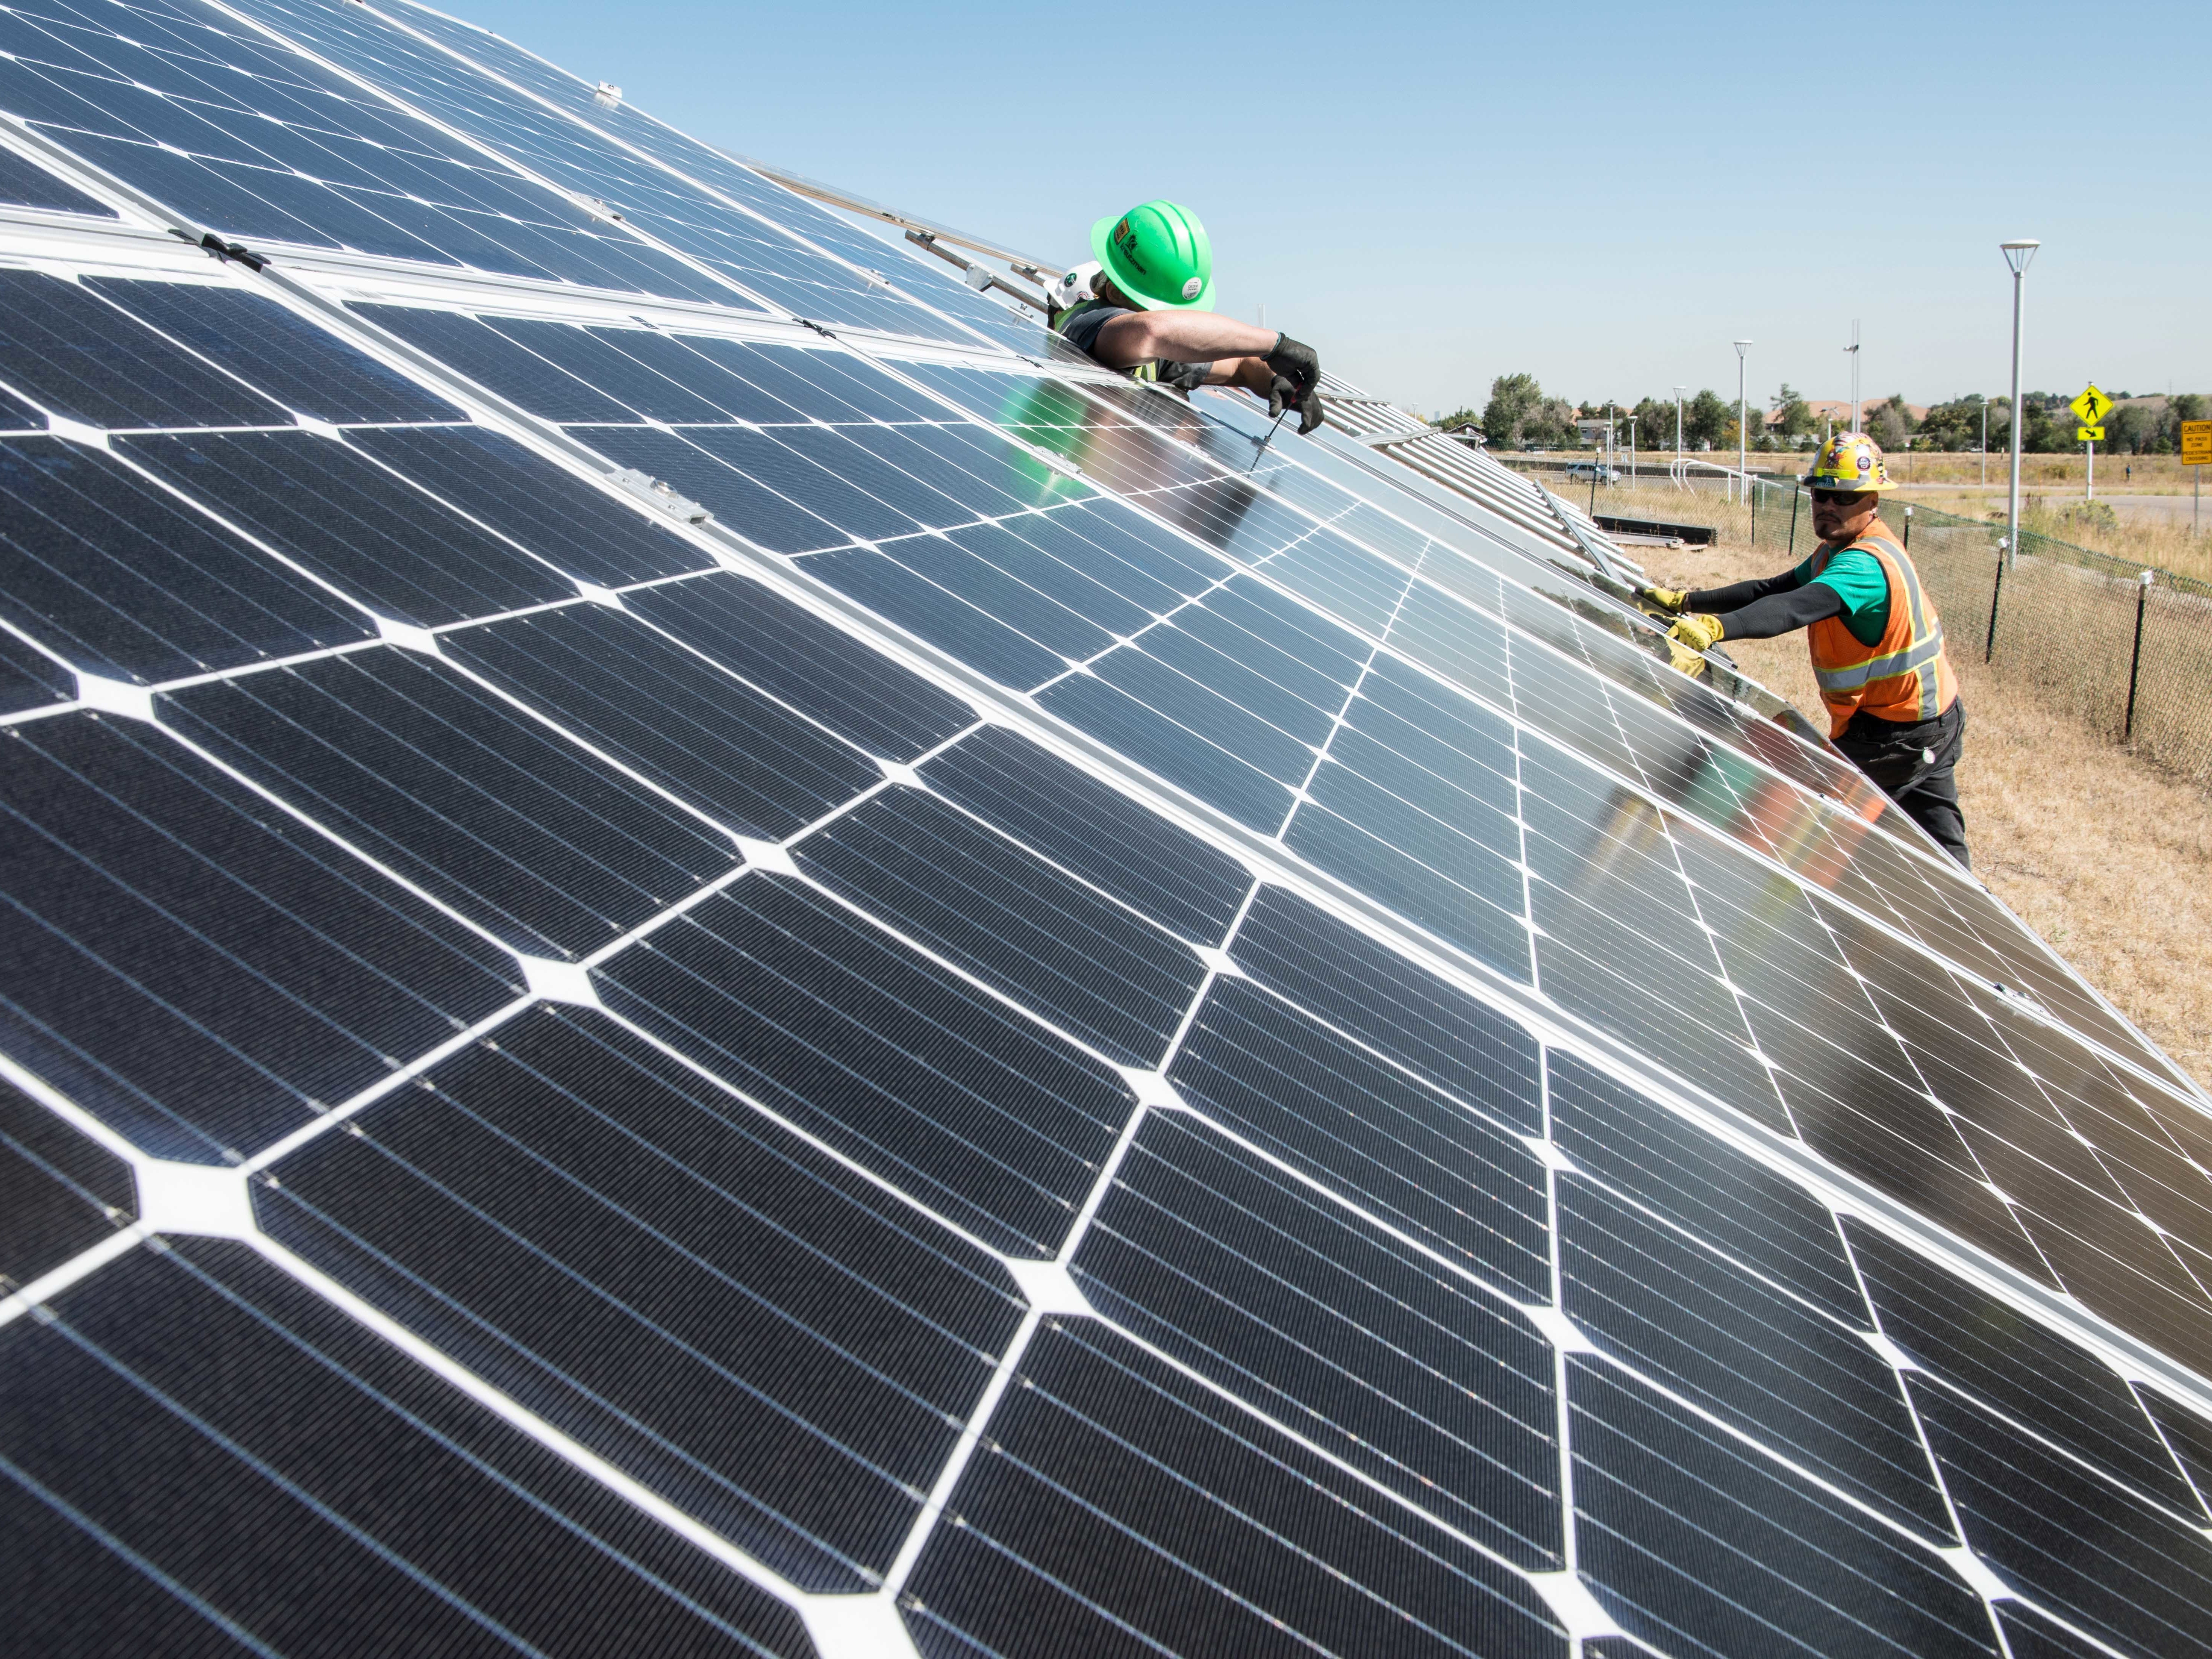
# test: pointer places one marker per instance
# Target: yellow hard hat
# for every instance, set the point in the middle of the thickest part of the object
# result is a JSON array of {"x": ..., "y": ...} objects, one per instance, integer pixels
[{"x": 1850, "y": 460}]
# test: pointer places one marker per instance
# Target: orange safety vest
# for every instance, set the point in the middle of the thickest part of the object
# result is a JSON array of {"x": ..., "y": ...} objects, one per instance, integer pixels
[{"x": 1904, "y": 675}]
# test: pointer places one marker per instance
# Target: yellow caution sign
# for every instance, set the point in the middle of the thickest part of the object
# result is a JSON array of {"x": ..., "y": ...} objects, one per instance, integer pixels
[
  {"x": 2091, "y": 407},
  {"x": 2088, "y": 434},
  {"x": 2196, "y": 443}
]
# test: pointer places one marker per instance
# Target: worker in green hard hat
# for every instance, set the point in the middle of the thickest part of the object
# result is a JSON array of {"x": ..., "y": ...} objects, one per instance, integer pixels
[{"x": 1146, "y": 306}]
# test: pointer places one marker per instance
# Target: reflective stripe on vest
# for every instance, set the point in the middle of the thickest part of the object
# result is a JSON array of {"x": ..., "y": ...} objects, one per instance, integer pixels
[{"x": 1904, "y": 675}]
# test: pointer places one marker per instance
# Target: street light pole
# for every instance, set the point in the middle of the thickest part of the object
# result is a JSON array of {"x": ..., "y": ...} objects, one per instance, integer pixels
[
  {"x": 1742, "y": 438},
  {"x": 1853, "y": 349},
  {"x": 1632, "y": 452},
  {"x": 1678, "y": 422},
  {"x": 1986, "y": 443},
  {"x": 2017, "y": 253}
]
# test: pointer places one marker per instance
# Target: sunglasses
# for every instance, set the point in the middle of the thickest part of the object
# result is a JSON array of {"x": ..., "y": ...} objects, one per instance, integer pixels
[{"x": 1839, "y": 497}]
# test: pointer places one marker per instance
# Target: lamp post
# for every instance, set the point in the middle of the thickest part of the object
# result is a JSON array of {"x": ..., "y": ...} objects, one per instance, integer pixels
[
  {"x": 1985, "y": 442},
  {"x": 1678, "y": 422},
  {"x": 2017, "y": 253},
  {"x": 1632, "y": 452},
  {"x": 1742, "y": 439},
  {"x": 1853, "y": 349}
]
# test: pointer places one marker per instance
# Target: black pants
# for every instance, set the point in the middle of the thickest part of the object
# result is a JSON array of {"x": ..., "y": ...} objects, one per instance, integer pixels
[{"x": 1912, "y": 764}]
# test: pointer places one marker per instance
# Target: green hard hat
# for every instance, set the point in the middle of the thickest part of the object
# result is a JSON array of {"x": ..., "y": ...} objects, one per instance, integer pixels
[{"x": 1158, "y": 255}]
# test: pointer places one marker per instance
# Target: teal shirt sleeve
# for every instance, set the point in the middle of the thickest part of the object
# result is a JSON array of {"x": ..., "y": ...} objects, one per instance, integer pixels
[{"x": 1857, "y": 579}]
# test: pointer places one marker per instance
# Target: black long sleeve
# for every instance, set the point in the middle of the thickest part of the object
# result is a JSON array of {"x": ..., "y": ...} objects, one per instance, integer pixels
[
  {"x": 1736, "y": 595},
  {"x": 1780, "y": 613}
]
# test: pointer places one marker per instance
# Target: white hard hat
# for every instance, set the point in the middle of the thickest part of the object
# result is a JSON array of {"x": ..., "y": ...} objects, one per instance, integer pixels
[{"x": 1074, "y": 288}]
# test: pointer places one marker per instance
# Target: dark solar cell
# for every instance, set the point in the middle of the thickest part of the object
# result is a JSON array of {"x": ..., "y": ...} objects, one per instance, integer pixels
[
  {"x": 117, "y": 575},
  {"x": 769, "y": 1342},
  {"x": 1028, "y": 608},
  {"x": 1315, "y": 1316},
  {"x": 2031, "y": 1635},
  {"x": 1073, "y": 957},
  {"x": 952, "y": 620},
  {"x": 25, "y": 181},
  {"x": 354, "y": 524},
  {"x": 595, "y": 356},
  {"x": 866, "y": 507},
  {"x": 194, "y": 968},
  {"x": 1711, "y": 1191},
  {"x": 952, "y": 1098},
  {"x": 209, "y": 1430},
  {"x": 278, "y": 351},
  {"x": 1117, "y": 1505},
  {"x": 653, "y": 705},
  {"x": 1090, "y": 828},
  {"x": 497, "y": 363},
  {"x": 440, "y": 781},
  {"x": 1206, "y": 764},
  {"x": 1403, "y": 1151},
  {"x": 1973, "y": 1340},
  {"x": 816, "y": 385},
  {"x": 558, "y": 516},
  {"x": 1749, "y": 1355},
  {"x": 1697, "y": 1543},
  {"x": 2136, "y": 1575},
  {"x": 757, "y": 513},
  {"x": 60, "y": 1191},
  {"x": 89, "y": 362},
  {"x": 1403, "y": 1011},
  {"x": 29, "y": 676},
  {"x": 850, "y": 688}
]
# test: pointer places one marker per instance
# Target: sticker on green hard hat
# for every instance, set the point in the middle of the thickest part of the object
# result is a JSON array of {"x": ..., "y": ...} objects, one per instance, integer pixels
[{"x": 1158, "y": 254}]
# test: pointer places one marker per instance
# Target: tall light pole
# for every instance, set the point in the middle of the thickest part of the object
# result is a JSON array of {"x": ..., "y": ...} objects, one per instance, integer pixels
[
  {"x": 1742, "y": 439},
  {"x": 1985, "y": 442},
  {"x": 1632, "y": 452},
  {"x": 1678, "y": 422},
  {"x": 1853, "y": 349},
  {"x": 2017, "y": 253}
]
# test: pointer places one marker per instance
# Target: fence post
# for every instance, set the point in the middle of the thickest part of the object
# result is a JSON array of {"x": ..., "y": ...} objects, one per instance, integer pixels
[
  {"x": 1754, "y": 513},
  {"x": 1794, "y": 492},
  {"x": 1989, "y": 647},
  {"x": 2134, "y": 661},
  {"x": 1908, "y": 526}
]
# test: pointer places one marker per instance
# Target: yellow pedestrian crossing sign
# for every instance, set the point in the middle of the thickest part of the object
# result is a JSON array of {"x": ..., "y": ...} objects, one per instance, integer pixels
[
  {"x": 2091, "y": 406},
  {"x": 2088, "y": 434}
]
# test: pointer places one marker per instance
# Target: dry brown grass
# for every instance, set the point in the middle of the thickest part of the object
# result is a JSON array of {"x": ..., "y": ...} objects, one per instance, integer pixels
[{"x": 2099, "y": 853}]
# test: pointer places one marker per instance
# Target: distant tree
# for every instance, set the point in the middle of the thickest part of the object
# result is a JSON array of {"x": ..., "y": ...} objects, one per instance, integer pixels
[
  {"x": 2133, "y": 428},
  {"x": 1890, "y": 423},
  {"x": 1956, "y": 425},
  {"x": 1513, "y": 397},
  {"x": 1706, "y": 419},
  {"x": 1655, "y": 424},
  {"x": 1793, "y": 414},
  {"x": 1460, "y": 417},
  {"x": 1551, "y": 423}
]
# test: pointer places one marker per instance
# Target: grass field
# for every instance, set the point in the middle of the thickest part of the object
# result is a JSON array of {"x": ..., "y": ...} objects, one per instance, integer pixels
[{"x": 2105, "y": 856}]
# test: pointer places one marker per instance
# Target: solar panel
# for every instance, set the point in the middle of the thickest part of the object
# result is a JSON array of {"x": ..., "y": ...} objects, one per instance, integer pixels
[{"x": 704, "y": 957}]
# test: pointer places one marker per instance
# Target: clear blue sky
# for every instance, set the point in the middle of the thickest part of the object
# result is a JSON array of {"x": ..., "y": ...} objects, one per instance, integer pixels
[{"x": 1601, "y": 195}]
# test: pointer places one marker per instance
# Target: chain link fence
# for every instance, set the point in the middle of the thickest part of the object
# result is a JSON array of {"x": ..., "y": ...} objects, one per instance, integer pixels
[{"x": 2125, "y": 648}]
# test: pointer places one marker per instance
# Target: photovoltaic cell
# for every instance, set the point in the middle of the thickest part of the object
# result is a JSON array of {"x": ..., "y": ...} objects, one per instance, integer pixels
[
  {"x": 957, "y": 1100},
  {"x": 703, "y": 734},
  {"x": 547, "y": 848},
  {"x": 1118, "y": 1502},
  {"x": 1088, "y": 965},
  {"x": 28, "y": 678},
  {"x": 765, "y": 1340},
  {"x": 111, "y": 572},
  {"x": 250, "y": 138},
  {"x": 199, "y": 1397},
  {"x": 197, "y": 972},
  {"x": 60, "y": 1191},
  {"x": 25, "y": 181},
  {"x": 78, "y": 356},
  {"x": 276, "y": 351},
  {"x": 362, "y": 529}
]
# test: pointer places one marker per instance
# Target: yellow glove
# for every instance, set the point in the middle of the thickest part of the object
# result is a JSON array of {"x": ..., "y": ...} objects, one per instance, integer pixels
[
  {"x": 1698, "y": 629},
  {"x": 1669, "y": 600},
  {"x": 1686, "y": 661}
]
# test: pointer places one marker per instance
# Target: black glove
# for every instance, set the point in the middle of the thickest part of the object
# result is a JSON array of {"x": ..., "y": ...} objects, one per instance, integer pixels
[{"x": 1296, "y": 366}]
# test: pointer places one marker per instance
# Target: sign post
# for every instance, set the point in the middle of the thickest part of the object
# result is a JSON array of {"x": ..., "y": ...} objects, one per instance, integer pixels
[
  {"x": 2197, "y": 451},
  {"x": 2090, "y": 409}
]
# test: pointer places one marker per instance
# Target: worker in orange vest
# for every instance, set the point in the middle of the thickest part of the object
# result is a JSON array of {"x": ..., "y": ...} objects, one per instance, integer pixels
[{"x": 1876, "y": 642}]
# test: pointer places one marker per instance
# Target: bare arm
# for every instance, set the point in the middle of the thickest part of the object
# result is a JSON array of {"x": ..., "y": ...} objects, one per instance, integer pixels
[{"x": 1181, "y": 336}]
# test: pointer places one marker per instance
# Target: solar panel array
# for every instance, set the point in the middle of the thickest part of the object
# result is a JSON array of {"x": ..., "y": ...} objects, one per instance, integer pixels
[{"x": 703, "y": 956}]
